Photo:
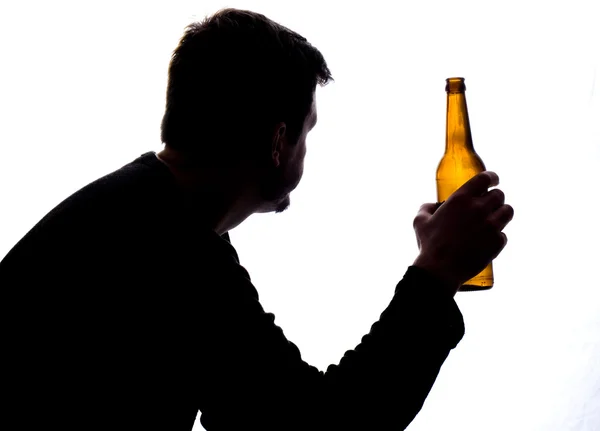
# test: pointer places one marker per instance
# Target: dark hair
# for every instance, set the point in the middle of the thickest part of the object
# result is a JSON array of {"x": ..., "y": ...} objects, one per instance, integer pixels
[{"x": 231, "y": 79}]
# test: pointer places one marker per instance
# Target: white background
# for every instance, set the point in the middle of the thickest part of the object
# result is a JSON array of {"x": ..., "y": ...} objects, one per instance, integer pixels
[{"x": 82, "y": 88}]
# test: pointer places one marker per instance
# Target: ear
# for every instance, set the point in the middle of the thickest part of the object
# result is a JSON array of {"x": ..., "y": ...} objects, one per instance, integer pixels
[{"x": 278, "y": 143}]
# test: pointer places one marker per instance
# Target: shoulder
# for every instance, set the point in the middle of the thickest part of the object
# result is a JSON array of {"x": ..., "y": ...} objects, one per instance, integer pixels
[{"x": 123, "y": 200}]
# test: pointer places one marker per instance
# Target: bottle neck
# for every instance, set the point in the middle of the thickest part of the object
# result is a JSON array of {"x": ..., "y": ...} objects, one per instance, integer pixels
[{"x": 458, "y": 128}]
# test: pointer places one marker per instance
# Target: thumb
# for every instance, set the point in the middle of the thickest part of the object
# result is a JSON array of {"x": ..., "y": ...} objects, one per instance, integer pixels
[
  {"x": 428, "y": 208},
  {"x": 425, "y": 212}
]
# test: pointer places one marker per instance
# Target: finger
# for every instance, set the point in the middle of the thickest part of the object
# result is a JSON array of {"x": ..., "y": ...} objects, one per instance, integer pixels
[
  {"x": 479, "y": 184},
  {"x": 502, "y": 240},
  {"x": 502, "y": 216},
  {"x": 493, "y": 199}
]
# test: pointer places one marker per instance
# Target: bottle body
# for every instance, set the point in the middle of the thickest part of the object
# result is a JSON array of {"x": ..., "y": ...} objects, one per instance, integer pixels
[{"x": 460, "y": 163}]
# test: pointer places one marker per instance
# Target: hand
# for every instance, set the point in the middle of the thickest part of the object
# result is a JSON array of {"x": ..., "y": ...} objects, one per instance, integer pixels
[{"x": 458, "y": 239}]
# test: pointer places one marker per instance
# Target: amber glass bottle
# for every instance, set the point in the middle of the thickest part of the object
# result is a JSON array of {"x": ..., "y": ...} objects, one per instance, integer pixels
[{"x": 460, "y": 162}]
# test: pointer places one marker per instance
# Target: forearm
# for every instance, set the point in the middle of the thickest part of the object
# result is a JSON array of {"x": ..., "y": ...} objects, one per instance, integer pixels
[
  {"x": 255, "y": 378},
  {"x": 385, "y": 380}
]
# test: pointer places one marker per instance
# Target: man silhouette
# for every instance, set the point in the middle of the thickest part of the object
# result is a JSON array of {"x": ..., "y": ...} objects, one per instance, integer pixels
[{"x": 126, "y": 307}]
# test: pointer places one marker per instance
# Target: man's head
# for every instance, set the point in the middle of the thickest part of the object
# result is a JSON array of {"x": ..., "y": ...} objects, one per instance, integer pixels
[{"x": 242, "y": 91}]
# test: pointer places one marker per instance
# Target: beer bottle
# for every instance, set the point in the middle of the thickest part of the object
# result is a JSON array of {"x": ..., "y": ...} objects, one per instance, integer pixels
[{"x": 460, "y": 162}]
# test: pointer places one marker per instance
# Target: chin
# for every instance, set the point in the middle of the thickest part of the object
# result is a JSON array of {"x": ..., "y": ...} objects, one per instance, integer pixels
[
  {"x": 277, "y": 206},
  {"x": 283, "y": 204}
]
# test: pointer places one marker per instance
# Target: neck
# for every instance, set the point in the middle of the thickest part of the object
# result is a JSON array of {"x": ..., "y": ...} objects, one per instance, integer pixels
[{"x": 219, "y": 199}]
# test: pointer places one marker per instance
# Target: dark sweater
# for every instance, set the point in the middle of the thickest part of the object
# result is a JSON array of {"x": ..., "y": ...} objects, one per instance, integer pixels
[{"x": 111, "y": 323}]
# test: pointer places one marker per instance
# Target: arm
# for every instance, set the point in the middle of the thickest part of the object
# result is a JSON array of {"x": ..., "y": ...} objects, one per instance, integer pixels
[{"x": 249, "y": 376}]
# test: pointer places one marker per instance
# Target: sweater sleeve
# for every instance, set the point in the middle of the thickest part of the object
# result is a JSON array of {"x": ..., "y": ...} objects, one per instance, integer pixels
[{"x": 247, "y": 375}]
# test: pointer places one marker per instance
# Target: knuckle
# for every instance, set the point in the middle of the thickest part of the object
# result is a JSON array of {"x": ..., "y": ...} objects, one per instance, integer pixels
[
  {"x": 509, "y": 211},
  {"x": 417, "y": 222},
  {"x": 502, "y": 238},
  {"x": 493, "y": 225},
  {"x": 479, "y": 207},
  {"x": 499, "y": 195},
  {"x": 494, "y": 176},
  {"x": 496, "y": 244},
  {"x": 459, "y": 198},
  {"x": 502, "y": 242},
  {"x": 505, "y": 215}
]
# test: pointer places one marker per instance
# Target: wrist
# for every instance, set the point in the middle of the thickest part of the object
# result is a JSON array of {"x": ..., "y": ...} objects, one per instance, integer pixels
[{"x": 436, "y": 271}]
